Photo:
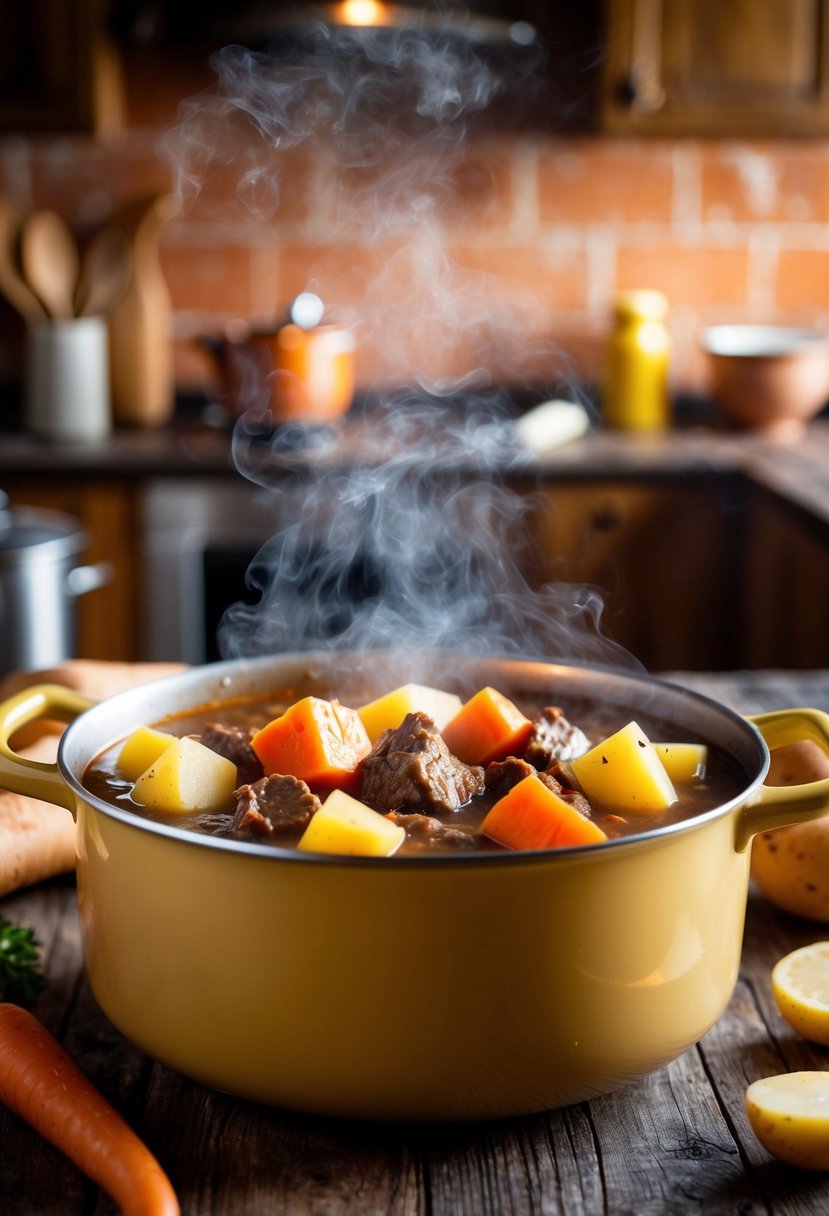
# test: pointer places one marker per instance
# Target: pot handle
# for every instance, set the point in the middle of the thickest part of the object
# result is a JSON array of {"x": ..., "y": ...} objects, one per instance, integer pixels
[
  {"x": 779, "y": 806},
  {"x": 37, "y": 778},
  {"x": 82, "y": 579}
]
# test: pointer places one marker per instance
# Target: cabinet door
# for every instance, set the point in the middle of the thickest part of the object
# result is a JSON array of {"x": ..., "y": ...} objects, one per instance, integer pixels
[
  {"x": 787, "y": 586},
  {"x": 726, "y": 67},
  {"x": 660, "y": 556},
  {"x": 59, "y": 70}
]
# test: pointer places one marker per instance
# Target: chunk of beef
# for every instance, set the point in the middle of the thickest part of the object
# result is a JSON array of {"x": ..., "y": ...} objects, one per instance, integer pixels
[
  {"x": 502, "y": 775},
  {"x": 568, "y": 787},
  {"x": 562, "y": 770},
  {"x": 273, "y": 805},
  {"x": 433, "y": 833},
  {"x": 554, "y": 738},
  {"x": 412, "y": 767},
  {"x": 575, "y": 798},
  {"x": 233, "y": 742}
]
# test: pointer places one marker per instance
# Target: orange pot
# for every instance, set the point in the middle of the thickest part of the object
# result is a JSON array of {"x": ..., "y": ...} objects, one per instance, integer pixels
[{"x": 300, "y": 375}]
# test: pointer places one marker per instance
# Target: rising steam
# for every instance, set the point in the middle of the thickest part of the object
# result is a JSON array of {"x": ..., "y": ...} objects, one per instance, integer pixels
[
  {"x": 417, "y": 545},
  {"x": 413, "y": 541},
  {"x": 374, "y": 101}
]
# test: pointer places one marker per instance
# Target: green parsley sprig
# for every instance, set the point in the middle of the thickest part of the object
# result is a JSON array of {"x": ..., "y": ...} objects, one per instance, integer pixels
[{"x": 20, "y": 976}]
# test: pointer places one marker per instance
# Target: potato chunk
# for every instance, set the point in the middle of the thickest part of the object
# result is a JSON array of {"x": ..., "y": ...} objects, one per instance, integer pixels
[
  {"x": 140, "y": 749},
  {"x": 389, "y": 711},
  {"x": 683, "y": 761},
  {"x": 186, "y": 777},
  {"x": 625, "y": 773},
  {"x": 349, "y": 827}
]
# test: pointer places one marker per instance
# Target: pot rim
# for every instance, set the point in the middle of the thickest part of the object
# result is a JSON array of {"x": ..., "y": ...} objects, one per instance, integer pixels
[
  {"x": 34, "y": 536},
  {"x": 219, "y": 674}
]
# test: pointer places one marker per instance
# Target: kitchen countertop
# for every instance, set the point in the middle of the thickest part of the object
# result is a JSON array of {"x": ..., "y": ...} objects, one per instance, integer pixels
[
  {"x": 796, "y": 471},
  {"x": 676, "y": 1142}
]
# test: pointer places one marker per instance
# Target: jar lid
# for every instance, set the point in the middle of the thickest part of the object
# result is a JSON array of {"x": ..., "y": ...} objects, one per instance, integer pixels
[
  {"x": 647, "y": 304},
  {"x": 28, "y": 534}
]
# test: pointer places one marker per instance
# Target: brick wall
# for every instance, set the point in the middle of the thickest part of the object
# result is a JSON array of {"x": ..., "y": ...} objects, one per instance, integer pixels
[{"x": 511, "y": 264}]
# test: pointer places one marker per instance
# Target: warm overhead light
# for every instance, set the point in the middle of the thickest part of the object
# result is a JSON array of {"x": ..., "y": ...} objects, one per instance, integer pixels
[
  {"x": 451, "y": 17},
  {"x": 361, "y": 12}
]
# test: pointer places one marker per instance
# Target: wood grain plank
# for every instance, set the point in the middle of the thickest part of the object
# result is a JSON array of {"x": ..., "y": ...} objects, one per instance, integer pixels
[
  {"x": 665, "y": 1146},
  {"x": 541, "y": 1166},
  {"x": 34, "y": 1177},
  {"x": 752, "y": 1040},
  {"x": 676, "y": 1142},
  {"x": 234, "y": 1158}
]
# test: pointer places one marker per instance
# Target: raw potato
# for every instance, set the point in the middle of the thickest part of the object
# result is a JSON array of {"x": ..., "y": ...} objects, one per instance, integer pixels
[
  {"x": 390, "y": 710},
  {"x": 625, "y": 773},
  {"x": 187, "y": 776},
  {"x": 346, "y": 826},
  {"x": 789, "y": 1115},
  {"x": 683, "y": 761},
  {"x": 140, "y": 749},
  {"x": 791, "y": 865}
]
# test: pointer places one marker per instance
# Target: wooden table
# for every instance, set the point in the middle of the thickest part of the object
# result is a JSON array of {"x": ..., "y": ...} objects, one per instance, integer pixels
[{"x": 676, "y": 1142}]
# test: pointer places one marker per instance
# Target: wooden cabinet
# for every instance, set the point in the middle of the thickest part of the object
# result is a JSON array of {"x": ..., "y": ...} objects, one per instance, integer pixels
[
  {"x": 786, "y": 585},
  {"x": 59, "y": 70},
  {"x": 709, "y": 574},
  {"x": 107, "y": 618},
  {"x": 659, "y": 556},
  {"x": 720, "y": 67},
  {"x": 705, "y": 572}
]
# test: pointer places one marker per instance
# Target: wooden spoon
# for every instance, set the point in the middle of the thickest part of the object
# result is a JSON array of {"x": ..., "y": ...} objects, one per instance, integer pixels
[
  {"x": 50, "y": 261},
  {"x": 12, "y": 284},
  {"x": 105, "y": 273}
]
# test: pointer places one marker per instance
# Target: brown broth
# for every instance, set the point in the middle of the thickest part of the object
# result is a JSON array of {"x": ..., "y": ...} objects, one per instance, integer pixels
[{"x": 723, "y": 778}]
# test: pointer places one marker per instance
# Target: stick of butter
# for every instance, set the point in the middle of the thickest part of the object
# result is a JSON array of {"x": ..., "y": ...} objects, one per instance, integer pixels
[{"x": 550, "y": 425}]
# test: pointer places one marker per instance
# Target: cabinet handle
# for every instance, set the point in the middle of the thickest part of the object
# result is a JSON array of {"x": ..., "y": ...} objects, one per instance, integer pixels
[
  {"x": 607, "y": 516},
  {"x": 641, "y": 89}
]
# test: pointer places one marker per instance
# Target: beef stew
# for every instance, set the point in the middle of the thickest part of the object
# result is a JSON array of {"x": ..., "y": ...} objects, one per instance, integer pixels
[{"x": 436, "y": 799}]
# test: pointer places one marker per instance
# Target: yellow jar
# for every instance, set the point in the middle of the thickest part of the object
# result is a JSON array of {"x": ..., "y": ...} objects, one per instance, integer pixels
[{"x": 635, "y": 389}]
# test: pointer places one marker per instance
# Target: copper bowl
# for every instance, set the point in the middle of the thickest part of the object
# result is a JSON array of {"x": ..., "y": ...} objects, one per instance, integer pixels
[{"x": 767, "y": 378}]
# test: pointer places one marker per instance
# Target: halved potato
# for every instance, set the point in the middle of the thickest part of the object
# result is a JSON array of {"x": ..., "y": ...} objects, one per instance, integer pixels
[
  {"x": 186, "y": 777},
  {"x": 789, "y": 1115}
]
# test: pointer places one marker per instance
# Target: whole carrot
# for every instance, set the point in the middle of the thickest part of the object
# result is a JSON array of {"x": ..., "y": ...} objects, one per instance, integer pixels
[{"x": 42, "y": 1085}]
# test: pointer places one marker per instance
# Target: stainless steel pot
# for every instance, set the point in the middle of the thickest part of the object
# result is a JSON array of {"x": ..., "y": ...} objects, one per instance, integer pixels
[{"x": 40, "y": 579}]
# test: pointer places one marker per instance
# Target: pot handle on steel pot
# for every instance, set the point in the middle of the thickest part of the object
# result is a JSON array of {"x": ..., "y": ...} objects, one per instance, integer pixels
[
  {"x": 779, "y": 806},
  {"x": 37, "y": 778}
]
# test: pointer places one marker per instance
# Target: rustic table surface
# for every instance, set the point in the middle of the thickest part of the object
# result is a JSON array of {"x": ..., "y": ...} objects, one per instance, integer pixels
[{"x": 676, "y": 1142}]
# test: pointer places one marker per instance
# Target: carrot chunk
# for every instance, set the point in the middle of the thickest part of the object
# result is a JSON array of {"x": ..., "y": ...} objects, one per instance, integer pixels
[
  {"x": 531, "y": 816},
  {"x": 321, "y": 742},
  {"x": 487, "y": 727}
]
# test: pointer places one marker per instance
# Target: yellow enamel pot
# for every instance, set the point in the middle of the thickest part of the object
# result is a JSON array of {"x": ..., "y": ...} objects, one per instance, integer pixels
[{"x": 419, "y": 988}]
